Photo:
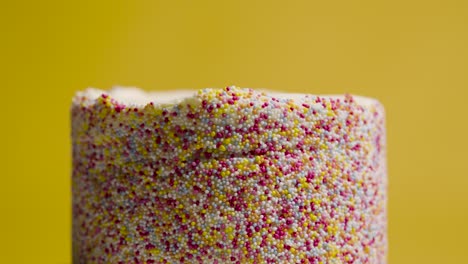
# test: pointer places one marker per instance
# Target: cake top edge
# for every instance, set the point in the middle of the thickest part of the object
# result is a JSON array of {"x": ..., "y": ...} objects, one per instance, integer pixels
[{"x": 136, "y": 97}]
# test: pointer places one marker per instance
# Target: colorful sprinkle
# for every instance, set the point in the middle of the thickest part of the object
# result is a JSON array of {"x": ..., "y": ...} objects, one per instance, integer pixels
[{"x": 229, "y": 176}]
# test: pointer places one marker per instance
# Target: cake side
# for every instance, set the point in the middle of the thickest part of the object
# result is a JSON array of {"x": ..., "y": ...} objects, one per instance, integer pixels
[{"x": 228, "y": 175}]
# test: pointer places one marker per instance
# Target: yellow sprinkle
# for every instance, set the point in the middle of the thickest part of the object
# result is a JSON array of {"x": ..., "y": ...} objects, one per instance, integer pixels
[
  {"x": 155, "y": 251},
  {"x": 313, "y": 217}
]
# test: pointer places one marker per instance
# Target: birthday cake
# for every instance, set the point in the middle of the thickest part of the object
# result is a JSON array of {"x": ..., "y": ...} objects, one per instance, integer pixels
[{"x": 228, "y": 175}]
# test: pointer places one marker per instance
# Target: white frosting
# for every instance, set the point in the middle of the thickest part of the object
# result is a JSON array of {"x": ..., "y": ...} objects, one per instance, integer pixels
[{"x": 137, "y": 97}]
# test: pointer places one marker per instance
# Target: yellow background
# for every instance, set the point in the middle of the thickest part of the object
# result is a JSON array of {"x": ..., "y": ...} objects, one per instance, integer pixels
[{"x": 411, "y": 55}]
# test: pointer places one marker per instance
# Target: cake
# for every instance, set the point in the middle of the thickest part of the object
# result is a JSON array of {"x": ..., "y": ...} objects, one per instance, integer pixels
[{"x": 231, "y": 175}]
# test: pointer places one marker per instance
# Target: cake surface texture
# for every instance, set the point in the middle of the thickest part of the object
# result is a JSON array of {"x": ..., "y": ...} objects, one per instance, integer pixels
[{"x": 231, "y": 175}]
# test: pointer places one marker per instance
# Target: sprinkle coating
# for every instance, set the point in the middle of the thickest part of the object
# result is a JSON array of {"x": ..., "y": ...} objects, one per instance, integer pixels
[{"x": 229, "y": 176}]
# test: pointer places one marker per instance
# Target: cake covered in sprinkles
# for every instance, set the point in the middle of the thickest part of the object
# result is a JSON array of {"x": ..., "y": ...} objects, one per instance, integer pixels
[{"x": 228, "y": 175}]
